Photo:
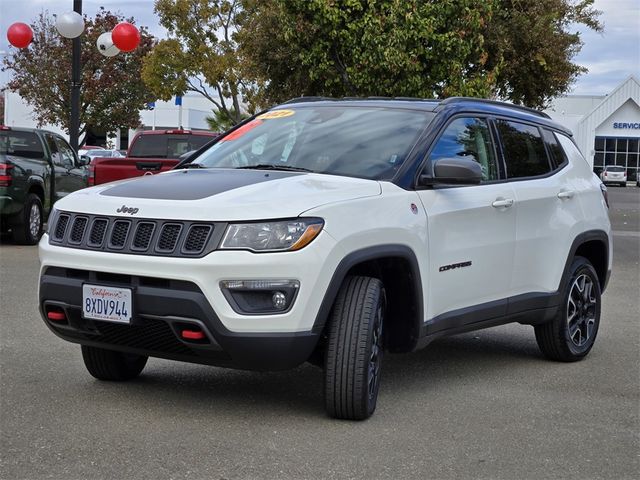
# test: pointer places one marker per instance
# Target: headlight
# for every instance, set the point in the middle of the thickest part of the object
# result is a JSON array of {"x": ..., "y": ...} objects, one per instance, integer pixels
[{"x": 285, "y": 235}]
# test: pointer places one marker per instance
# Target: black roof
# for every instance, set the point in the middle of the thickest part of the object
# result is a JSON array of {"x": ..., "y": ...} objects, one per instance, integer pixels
[{"x": 451, "y": 105}]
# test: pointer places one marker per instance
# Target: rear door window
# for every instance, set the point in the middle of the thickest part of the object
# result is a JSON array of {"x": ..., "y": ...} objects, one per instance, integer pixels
[
  {"x": 523, "y": 150},
  {"x": 21, "y": 144}
]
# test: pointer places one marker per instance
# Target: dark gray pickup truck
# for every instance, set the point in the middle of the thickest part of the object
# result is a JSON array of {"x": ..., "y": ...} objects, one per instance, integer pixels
[{"x": 37, "y": 168}]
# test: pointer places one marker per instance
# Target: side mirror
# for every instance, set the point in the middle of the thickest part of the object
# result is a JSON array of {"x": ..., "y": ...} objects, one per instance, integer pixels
[
  {"x": 85, "y": 160},
  {"x": 453, "y": 171}
]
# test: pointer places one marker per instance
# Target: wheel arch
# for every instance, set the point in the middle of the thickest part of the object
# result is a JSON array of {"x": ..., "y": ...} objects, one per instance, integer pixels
[
  {"x": 594, "y": 246},
  {"x": 397, "y": 266}
]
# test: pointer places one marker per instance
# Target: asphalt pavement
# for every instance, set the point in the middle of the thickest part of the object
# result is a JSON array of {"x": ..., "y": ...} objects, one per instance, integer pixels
[{"x": 479, "y": 405}]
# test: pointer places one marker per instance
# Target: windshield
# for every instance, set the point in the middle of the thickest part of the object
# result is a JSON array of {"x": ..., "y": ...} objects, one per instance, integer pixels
[
  {"x": 167, "y": 146},
  {"x": 366, "y": 142}
]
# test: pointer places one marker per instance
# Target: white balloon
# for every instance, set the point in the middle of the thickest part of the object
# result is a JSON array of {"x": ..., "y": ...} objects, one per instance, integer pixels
[
  {"x": 70, "y": 24},
  {"x": 105, "y": 45}
]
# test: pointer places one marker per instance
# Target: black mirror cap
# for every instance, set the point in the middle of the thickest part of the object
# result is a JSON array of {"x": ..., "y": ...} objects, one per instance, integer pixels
[{"x": 453, "y": 171}]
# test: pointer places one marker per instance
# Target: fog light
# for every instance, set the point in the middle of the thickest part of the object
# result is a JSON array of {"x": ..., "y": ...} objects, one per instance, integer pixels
[
  {"x": 256, "y": 297},
  {"x": 279, "y": 300}
]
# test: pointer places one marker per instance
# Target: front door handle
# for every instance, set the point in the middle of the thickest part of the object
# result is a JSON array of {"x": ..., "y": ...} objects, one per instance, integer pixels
[
  {"x": 502, "y": 202},
  {"x": 565, "y": 194}
]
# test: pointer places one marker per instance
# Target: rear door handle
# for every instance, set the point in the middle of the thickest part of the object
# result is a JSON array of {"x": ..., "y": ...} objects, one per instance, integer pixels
[
  {"x": 565, "y": 194},
  {"x": 502, "y": 202}
]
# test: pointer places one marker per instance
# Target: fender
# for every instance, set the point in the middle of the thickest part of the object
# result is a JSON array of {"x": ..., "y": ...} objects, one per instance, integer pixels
[
  {"x": 363, "y": 255},
  {"x": 582, "y": 238}
]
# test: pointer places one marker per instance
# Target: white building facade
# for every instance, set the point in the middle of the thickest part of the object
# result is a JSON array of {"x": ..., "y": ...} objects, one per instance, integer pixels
[{"x": 605, "y": 127}]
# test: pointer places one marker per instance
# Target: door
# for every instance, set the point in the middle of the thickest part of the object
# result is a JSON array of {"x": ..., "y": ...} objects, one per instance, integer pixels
[
  {"x": 70, "y": 175},
  {"x": 471, "y": 232},
  {"x": 548, "y": 208}
]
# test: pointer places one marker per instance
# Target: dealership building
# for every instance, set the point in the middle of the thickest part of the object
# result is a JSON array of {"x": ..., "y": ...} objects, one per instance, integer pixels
[{"x": 605, "y": 127}]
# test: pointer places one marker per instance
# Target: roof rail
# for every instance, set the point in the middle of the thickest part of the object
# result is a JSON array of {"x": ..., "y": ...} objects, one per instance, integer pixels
[
  {"x": 533, "y": 111},
  {"x": 307, "y": 99}
]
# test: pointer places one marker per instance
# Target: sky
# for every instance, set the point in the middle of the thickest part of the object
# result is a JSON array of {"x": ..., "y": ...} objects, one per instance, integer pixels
[{"x": 610, "y": 56}]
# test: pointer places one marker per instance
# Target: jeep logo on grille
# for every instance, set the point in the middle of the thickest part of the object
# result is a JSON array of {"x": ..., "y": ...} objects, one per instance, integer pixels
[{"x": 125, "y": 209}]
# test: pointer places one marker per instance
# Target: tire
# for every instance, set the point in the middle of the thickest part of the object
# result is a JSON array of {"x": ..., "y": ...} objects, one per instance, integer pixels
[
  {"x": 27, "y": 227},
  {"x": 355, "y": 348},
  {"x": 571, "y": 335},
  {"x": 111, "y": 365},
  {"x": 623, "y": 185}
]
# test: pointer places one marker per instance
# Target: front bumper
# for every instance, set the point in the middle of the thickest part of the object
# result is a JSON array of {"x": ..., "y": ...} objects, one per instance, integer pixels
[
  {"x": 162, "y": 308},
  {"x": 168, "y": 292}
]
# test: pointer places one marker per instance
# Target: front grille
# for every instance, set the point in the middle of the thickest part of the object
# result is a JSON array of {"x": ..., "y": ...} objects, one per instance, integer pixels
[
  {"x": 136, "y": 236},
  {"x": 61, "y": 227},
  {"x": 77, "y": 230},
  {"x": 142, "y": 237},
  {"x": 98, "y": 229},
  {"x": 169, "y": 237},
  {"x": 196, "y": 238},
  {"x": 119, "y": 233}
]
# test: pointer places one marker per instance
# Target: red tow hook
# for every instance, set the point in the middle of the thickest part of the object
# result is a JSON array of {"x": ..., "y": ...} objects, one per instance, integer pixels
[{"x": 193, "y": 334}]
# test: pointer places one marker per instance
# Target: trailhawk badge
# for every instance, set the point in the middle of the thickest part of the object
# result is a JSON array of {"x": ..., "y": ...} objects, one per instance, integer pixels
[{"x": 125, "y": 209}]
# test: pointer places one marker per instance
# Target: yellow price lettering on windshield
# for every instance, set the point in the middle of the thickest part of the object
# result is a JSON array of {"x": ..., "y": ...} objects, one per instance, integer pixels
[{"x": 276, "y": 114}]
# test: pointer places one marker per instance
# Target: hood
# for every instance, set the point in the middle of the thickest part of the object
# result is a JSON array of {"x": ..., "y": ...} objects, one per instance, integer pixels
[{"x": 218, "y": 194}]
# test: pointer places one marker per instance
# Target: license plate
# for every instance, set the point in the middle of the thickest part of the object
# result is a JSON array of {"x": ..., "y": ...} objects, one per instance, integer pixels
[{"x": 106, "y": 303}]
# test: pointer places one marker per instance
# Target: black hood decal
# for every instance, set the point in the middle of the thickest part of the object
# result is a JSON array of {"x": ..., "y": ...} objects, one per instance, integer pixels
[{"x": 192, "y": 184}]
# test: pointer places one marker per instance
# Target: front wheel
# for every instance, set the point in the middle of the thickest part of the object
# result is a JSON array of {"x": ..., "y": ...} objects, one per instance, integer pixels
[
  {"x": 111, "y": 365},
  {"x": 571, "y": 335},
  {"x": 354, "y": 349}
]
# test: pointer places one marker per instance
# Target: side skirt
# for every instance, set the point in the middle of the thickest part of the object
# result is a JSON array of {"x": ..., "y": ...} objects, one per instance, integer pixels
[{"x": 528, "y": 309}]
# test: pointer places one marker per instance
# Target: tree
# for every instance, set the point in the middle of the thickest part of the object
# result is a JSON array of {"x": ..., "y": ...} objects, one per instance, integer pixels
[
  {"x": 510, "y": 49},
  {"x": 533, "y": 44},
  {"x": 200, "y": 54},
  {"x": 221, "y": 122},
  {"x": 112, "y": 92},
  {"x": 368, "y": 48}
]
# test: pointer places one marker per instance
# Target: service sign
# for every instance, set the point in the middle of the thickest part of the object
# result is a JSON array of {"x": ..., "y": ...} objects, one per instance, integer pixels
[{"x": 106, "y": 303}]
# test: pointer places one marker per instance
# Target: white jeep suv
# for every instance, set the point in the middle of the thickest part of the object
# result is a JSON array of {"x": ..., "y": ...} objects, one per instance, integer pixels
[{"x": 331, "y": 231}]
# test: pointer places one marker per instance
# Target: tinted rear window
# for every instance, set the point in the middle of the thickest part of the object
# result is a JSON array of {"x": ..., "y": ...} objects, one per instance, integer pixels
[
  {"x": 21, "y": 144},
  {"x": 523, "y": 150},
  {"x": 614, "y": 169},
  {"x": 167, "y": 146}
]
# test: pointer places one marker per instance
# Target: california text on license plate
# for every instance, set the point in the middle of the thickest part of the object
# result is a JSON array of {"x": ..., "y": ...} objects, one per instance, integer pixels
[{"x": 106, "y": 303}]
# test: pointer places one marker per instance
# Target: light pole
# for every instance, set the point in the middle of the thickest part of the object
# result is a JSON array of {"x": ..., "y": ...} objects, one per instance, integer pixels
[{"x": 76, "y": 68}]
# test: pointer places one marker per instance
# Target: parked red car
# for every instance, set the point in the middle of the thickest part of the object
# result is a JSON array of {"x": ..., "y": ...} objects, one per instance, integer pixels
[{"x": 151, "y": 151}]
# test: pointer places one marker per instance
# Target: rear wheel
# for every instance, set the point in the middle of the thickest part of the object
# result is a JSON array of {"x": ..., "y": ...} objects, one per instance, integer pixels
[
  {"x": 354, "y": 349},
  {"x": 571, "y": 335},
  {"x": 110, "y": 365},
  {"x": 27, "y": 227}
]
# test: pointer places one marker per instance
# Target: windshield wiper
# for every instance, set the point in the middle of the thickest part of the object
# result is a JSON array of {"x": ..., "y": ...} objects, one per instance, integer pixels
[{"x": 269, "y": 166}]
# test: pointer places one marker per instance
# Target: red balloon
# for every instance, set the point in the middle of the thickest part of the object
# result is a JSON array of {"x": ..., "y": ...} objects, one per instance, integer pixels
[
  {"x": 20, "y": 35},
  {"x": 125, "y": 37}
]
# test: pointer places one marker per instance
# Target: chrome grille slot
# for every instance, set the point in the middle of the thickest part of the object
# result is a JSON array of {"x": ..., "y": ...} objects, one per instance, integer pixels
[
  {"x": 98, "y": 229},
  {"x": 119, "y": 233},
  {"x": 61, "y": 227},
  {"x": 168, "y": 237},
  {"x": 142, "y": 236},
  {"x": 196, "y": 238},
  {"x": 77, "y": 230}
]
